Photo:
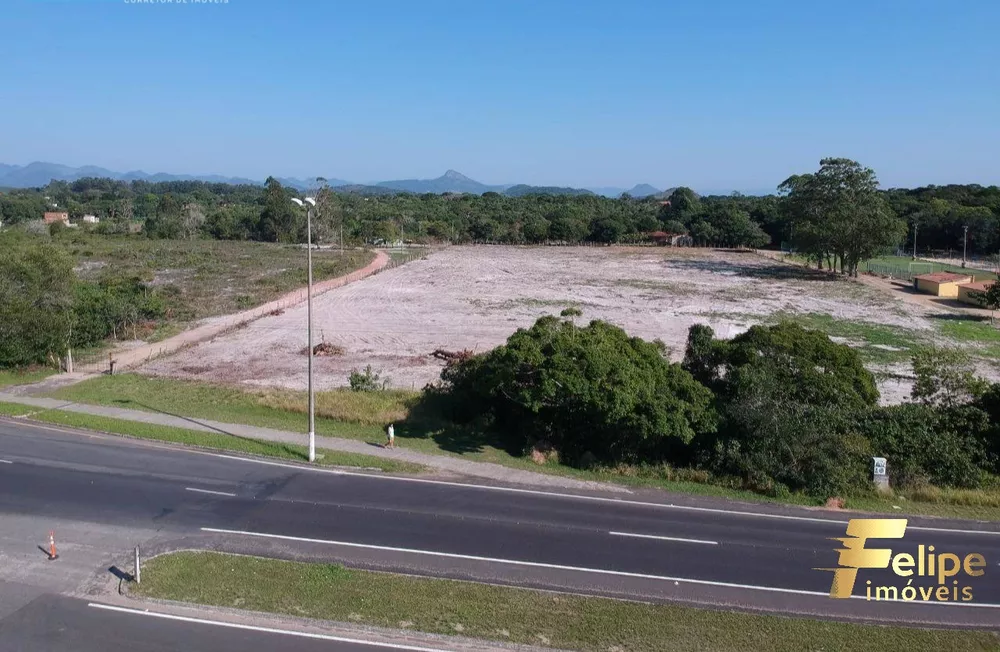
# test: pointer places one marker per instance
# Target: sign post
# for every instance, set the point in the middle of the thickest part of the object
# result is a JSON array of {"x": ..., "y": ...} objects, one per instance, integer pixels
[{"x": 879, "y": 475}]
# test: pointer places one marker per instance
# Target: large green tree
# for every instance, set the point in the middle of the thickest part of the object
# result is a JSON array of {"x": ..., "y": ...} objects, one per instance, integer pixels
[
  {"x": 838, "y": 214},
  {"x": 590, "y": 389}
]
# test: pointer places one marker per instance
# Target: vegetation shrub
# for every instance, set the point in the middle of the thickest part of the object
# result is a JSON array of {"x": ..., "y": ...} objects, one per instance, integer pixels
[
  {"x": 590, "y": 389},
  {"x": 367, "y": 380}
]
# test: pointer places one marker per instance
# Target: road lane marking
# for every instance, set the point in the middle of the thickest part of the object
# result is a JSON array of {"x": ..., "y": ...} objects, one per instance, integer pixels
[
  {"x": 579, "y": 569},
  {"x": 207, "y": 491},
  {"x": 653, "y": 536},
  {"x": 267, "y": 630},
  {"x": 5, "y": 462},
  {"x": 513, "y": 490}
]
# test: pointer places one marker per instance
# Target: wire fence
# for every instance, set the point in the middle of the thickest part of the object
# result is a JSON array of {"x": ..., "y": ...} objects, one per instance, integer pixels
[{"x": 894, "y": 271}]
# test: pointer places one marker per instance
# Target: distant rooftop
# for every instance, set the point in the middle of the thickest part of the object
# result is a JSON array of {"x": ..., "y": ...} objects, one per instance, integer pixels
[{"x": 943, "y": 277}]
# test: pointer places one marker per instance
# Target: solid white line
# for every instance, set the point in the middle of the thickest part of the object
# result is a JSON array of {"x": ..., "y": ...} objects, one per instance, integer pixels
[
  {"x": 580, "y": 569},
  {"x": 207, "y": 491},
  {"x": 268, "y": 630},
  {"x": 596, "y": 499},
  {"x": 514, "y": 490},
  {"x": 653, "y": 536}
]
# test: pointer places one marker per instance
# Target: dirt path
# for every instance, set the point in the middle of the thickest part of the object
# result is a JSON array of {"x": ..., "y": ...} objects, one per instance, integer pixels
[{"x": 216, "y": 326}]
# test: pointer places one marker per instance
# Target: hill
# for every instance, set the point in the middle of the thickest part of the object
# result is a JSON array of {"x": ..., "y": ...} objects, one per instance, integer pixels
[
  {"x": 38, "y": 174},
  {"x": 643, "y": 190},
  {"x": 521, "y": 190},
  {"x": 450, "y": 181}
]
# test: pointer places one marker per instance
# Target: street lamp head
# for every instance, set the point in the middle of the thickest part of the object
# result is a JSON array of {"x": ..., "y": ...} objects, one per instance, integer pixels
[
  {"x": 310, "y": 201},
  {"x": 298, "y": 201}
]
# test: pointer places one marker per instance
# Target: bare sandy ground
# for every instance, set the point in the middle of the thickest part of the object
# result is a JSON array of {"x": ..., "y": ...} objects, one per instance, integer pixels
[{"x": 475, "y": 297}]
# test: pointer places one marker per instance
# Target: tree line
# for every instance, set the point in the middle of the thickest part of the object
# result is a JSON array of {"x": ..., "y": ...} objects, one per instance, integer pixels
[{"x": 837, "y": 216}]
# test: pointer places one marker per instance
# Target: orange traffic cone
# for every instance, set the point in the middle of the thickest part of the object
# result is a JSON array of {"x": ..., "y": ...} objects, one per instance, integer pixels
[{"x": 53, "y": 555}]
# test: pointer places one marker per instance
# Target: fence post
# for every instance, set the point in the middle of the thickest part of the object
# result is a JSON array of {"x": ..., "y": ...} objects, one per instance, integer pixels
[{"x": 137, "y": 576}]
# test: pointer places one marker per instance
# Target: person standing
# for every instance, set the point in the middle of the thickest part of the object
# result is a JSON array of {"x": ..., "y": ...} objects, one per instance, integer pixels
[{"x": 391, "y": 437}]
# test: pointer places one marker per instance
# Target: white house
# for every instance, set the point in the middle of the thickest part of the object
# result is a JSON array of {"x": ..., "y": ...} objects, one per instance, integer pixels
[{"x": 90, "y": 219}]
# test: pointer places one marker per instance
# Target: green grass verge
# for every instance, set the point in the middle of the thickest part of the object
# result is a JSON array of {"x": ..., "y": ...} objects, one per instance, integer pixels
[
  {"x": 508, "y": 614},
  {"x": 924, "y": 267},
  {"x": 879, "y": 343},
  {"x": 969, "y": 330},
  {"x": 23, "y": 377},
  {"x": 345, "y": 408},
  {"x": 216, "y": 441}
]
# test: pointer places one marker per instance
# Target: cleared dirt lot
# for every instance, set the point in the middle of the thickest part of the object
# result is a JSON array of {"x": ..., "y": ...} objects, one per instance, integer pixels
[{"x": 475, "y": 297}]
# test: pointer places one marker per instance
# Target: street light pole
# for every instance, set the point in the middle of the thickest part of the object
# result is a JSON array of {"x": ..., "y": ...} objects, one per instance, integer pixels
[
  {"x": 914, "y": 241},
  {"x": 965, "y": 242},
  {"x": 309, "y": 328}
]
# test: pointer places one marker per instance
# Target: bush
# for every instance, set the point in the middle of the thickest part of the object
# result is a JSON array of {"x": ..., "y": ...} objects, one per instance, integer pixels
[
  {"x": 583, "y": 389},
  {"x": 925, "y": 444},
  {"x": 787, "y": 397},
  {"x": 36, "y": 295},
  {"x": 111, "y": 307},
  {"x": 367, "y": 381}
]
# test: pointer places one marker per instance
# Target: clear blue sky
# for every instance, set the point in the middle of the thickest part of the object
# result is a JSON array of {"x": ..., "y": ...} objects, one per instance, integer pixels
[{"x": 717, "y": 95}]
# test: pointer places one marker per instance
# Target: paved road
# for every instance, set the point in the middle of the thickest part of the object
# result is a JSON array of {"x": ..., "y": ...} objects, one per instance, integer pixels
[
  {"x": 111, "y": 494},
  {"x": 60, "y": 624}
]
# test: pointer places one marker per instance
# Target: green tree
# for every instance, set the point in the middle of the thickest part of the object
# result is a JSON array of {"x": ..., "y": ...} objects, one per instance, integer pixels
[
  {"x": 279, "y": 220},
  {"x": 36, "y": 297},
  {"x": 590, "y": 389},
  {"x": 839, "y": 213}
]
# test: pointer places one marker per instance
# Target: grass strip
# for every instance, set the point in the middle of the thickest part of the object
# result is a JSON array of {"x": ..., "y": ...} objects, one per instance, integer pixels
[
  {"x": 284, "y": 410},
  {"x": 437, "y": 606},
  {"x": 212, "y": 440},
  {"x": 19, "y": 377}
]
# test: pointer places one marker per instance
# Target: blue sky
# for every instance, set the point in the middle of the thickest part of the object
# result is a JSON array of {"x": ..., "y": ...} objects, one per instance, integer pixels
[{"x": 717, "y": 95}]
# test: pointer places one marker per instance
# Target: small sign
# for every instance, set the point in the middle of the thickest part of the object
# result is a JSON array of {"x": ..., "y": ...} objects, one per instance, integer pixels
[{"x": 879, "y": 468}]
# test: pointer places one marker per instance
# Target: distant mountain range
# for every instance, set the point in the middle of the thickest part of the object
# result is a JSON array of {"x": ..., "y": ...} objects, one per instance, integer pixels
[{"x": 39, "y": 174}]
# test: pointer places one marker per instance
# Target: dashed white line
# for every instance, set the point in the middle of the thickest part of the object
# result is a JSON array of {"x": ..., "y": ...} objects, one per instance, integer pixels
[
  {"x": 579, "y": 569},
  {"x": 208, "y": 491},
  {"x": 659, "y": 538},
  {"x": 5, "y": 462},
  {"x": 266, "y": 630},
  {"x": 515, "y": 490}
]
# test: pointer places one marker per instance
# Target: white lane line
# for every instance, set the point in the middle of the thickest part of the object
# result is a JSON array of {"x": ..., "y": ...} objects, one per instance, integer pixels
[
  {"x": 267, "y": 630},
  {"x": 5, "y": 462},
  {"x": 579, "y": 569},
  {"x": 207, "y": 491},
  {"x": 514, "y": 490},
  {"x": 595, "y": 499},
  {"x": 659, "y": 538}
]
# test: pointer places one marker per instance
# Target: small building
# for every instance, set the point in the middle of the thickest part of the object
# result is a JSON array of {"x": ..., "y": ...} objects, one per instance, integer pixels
[
  {"x": 940, "y": 284},
  {"x": 969, "y": 292},
  {"x": 51, "y": 217},
  {"x": 90, "y": 219}
]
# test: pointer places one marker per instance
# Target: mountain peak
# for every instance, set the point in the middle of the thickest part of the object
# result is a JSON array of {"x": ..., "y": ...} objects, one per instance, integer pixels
[{"x": 454, "y": 175}]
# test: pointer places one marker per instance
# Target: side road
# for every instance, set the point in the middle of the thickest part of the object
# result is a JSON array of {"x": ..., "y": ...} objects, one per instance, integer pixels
[
  {"x": 212, "y": 327},
  {"x": 444, "y": 463}
]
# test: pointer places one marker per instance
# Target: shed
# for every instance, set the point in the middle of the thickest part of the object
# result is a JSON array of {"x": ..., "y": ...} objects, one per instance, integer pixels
[
  {"x": 51, "y": 217},
  {"x": 969, "y": 292},
  {"x": 940, "y": 284}
]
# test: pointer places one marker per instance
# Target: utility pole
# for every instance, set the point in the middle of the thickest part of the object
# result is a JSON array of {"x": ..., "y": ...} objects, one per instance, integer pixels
[
  {"x": 914, "y": 241},
  {"x": 965, "y": 242}
]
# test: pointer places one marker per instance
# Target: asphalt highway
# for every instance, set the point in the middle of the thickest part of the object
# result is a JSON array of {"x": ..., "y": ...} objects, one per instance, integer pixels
[{"x": 701, "y": 551}]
